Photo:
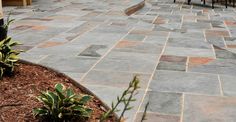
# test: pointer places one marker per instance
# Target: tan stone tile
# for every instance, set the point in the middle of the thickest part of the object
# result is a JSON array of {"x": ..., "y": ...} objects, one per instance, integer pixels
[
  {"x": 50, "y": 44},
  {"x": 126, "y": 43},
  {"x": 218, "y": 33}
]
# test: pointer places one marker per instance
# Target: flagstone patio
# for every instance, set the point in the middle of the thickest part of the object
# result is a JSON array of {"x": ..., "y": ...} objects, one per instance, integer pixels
[{"x": 185, "y": 55}]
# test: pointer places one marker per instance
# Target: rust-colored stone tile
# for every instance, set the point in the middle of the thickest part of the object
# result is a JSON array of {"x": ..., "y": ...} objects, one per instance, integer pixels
[
  {"x": 217, "y": 33},
  {"x": 230, "y": 23},
  {"x": 205, "y": 10},
  {"x": 125, "y": 43},
  {"x": 231, "y": 46},
  {"x": 39, "y": 27},
  {"x": 170, "y": 58},
  {"x": 50, "y": 44},
  {"x": 195, "y": 61}
]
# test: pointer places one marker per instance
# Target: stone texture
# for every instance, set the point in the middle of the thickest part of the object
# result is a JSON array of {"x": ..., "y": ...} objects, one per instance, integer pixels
[
  {"x": 171, "y": 58},
  {"x": 217, "y": 66},
  {"x": 77, "y": 64},
  {"x": 176, "y": 63},
  {"x": 192, "y": 52},
  {"x": 224, "y": 54},
  {"x": 114, "y": 79},
  {"x": 172, "y": 81},
  {"x": 228, "y": 85},
  {"x": 209, "y": 109},
  {"x": 95, "y": 43},
  {"x": 188, "y": 43},
  {"x": 171, "y": 66},
  {"x": 140, "y": 47},
  {"x": 163, "y": 103},
  {"x": 154, "y": 117},
  {"x": 91, "y": 51},
  {"x": 196, "y": 61},
  {"x": 134, "y": 37},
  {"x": 129, "y": 62}
]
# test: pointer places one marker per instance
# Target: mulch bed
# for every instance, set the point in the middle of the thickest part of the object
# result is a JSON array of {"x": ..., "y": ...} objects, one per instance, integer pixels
[{"x": 17, "y": 93}]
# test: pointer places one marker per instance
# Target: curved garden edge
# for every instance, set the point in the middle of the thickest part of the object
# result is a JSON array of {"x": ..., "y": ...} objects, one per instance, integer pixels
[
  {"x": 137, "y": 5},
  {"x": 76, "y": 84}
]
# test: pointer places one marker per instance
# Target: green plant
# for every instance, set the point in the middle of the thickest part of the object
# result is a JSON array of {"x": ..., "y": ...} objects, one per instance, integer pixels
[
  {"x": 4, "y": 28},
  {"x": 126, "y": 98},
  {"x": 8, "y": 22},
  {"x": 63, "y": 105},
  {"x": 8, "y": 56}
]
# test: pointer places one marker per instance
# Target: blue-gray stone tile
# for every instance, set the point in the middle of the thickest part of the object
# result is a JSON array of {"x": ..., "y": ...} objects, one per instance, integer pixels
[{"x": 173, "y": 81}]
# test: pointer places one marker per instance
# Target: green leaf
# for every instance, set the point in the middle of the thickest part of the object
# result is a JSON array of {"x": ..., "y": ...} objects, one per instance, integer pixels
[
  {"x": 1, "y": 72},
  {"x": 112, "y": 105},
  {"x": 87, "y": 112},
  {"x": 59, "y": 87},
  {"x": 85, "y": 99},
  {"x": 48, "y": 99},
  {"x": 40, "y": 112},
  {"x": 12, "y": 44},
  {"x": 69, "y": 92},
  {"x": 54, "y": 98},
  {"x": 1, "y": 56},
  {"x": 129, "y": 108},
  {"x": 44, "y": 99},
  {"x": 78, "y": 108},
  {"x": 118, "y": 98}
]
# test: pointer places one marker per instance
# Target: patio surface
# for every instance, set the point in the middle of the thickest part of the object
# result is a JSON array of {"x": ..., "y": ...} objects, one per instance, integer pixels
[{"x": 185, "y": 55}]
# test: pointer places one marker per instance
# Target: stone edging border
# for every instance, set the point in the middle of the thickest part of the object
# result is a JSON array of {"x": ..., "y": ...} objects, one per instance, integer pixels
[
  {"x": 133, "y": 8},
  {"x": 81, "y": 87}
]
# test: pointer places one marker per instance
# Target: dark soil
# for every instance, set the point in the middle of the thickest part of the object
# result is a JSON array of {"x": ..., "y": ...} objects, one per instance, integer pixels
[{"x": 17, "y": 93}]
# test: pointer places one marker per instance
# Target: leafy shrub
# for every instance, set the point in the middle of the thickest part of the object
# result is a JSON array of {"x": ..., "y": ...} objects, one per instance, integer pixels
[
  {"x": 63, "y": 105},
  {"x": 126, "y": 98},
  {"x": 9, "y": 21},
  {"x": 4, "y": 28},
  {"x": 8, "y": 56}
]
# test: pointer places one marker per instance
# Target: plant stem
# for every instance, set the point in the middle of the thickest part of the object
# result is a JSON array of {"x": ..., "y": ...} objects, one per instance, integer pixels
[
  {"x": 106, "y": 115},
  {"x": 145, "y": 112},
  {"x": 127, "y": 104}
]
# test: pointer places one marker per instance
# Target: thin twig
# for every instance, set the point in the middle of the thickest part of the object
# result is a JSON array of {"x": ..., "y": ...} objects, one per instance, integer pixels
[{"x": 145, "y": 112}]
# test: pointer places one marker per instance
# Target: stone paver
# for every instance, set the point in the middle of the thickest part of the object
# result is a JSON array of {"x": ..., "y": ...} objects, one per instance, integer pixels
[
  {"x": 174, "y": 81},
  {"x": 163, "y": 103},
  {"x": 154, "y": 117},
  {"x": 184, "y": 54},
  {"x": 228, "y": 83},
  {"x": 209, "y": 109}
]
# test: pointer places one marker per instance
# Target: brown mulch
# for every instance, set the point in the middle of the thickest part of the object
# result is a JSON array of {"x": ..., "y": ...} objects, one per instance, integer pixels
[{"x": 17, "y": 93}]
